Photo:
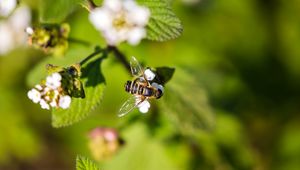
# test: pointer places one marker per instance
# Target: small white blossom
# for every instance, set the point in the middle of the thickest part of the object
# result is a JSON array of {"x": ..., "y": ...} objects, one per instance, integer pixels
[
  {"x": 29, "y": 30},
  {"x": 7, "y": 6},
  {"x": 53, "y": 81},
  {"x": 38, "y": 87},
  {"x": 149, "y": 75},
  {"x": 121, "y": 20},
  {"x": 44, "y": 104},
  {"x": 144, "y": 106},
  {"x": 158, "y": 86},
  {"x": 64, "y": 102},
  {"x": 12, "y": 28},
  {"x": 34, "y": 95}
]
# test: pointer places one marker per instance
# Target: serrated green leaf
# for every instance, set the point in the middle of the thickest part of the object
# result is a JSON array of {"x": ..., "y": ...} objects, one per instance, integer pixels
[
  {"x": 163, "y": 24},
  {"x": 186, "y": 103},
  {"x": 94, "y": 84},
  {"x": 56, "y": 11},
  {"x": 83, "y": 163}
]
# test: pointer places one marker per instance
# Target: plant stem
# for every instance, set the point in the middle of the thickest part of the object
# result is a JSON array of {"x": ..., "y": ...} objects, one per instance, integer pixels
[
  {"x": 98, "y": 50},
  {"x": 78, "y": 41},
  {"x": 120, "y": 56},
  {"x": 91, "y": 4}
]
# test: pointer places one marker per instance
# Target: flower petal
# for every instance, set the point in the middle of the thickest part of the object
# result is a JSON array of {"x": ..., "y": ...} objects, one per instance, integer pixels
[
  {"x": 137, "y": 14},
  {"x": 101, "y": 18},
  {"x": 144, "y": 106},
  {"x": 149, "y": 74},
  {"x": 114, "y": 5},
  {"x": 34, "y": 95},
  {"x": 6, "y": 38},
  {"x": 7, "y": 6},
  {"x": 135, "y": 35},
  {"x": 44, "y": 105},
  {"x": 64, "y": 102}
]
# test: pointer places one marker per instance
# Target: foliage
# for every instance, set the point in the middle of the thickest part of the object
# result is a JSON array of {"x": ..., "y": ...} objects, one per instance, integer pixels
[
  {"x": 163, "y": 24},
  {"x": 83, "y": 163},
  {"x": 231, "y": 89},
  {"x": 56, "y": 12}
]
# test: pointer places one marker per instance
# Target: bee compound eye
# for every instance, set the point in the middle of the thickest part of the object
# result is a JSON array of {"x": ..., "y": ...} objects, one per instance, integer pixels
[
  {"x": 159, "y": 93},
  {"x": 72, "y": 71}
]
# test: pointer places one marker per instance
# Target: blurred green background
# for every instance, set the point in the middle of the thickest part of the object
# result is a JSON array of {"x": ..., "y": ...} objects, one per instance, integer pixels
[{"x": 233, "y": 102}]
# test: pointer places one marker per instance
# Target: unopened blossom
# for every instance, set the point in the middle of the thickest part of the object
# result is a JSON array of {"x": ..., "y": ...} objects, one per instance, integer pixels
[
  {"x": 49, "y": 38},
  {"x": 12, "y": 33},
  {"x": 121, "y": 20},
  {"x": 104, "y": 143},
  {"x": 7, "y": 6}
]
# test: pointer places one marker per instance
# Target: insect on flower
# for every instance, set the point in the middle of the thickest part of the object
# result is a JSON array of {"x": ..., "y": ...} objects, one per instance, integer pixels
[{"x": 141, "y": 89}]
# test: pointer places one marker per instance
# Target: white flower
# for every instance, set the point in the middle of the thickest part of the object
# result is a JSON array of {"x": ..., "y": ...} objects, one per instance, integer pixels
[
  {"x": 144, "y": 106},
  {"x": 149, "y": 75},
  {"x": 29, "y": 30},
  {"x": 53, "y": 81},
  {"x": 6, "y": 38},
  {"x": 38, "y": 87},
  {"x": 64, "y": 102},
  {"x": 12, "y": 29},
  {"x": 121, "y": 20},
  {"x": 34, "y": 95},
  {"x": 44, "y": 104},
  {"x": 7, "y": 6}
]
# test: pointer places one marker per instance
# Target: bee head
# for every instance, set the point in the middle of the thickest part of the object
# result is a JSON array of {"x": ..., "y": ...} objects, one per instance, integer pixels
[
  {"x": 159, "y": 90},
  {"x": 158, "y": 93}
]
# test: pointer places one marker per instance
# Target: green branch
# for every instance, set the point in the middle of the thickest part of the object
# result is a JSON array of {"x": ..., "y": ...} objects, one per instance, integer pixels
[
  {"x": 120, "y": 56},
  {"x": 98, "y": 50}
]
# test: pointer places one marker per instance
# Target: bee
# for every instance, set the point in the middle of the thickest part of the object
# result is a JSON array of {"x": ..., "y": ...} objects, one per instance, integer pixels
[{"x": 140, "y": 88}]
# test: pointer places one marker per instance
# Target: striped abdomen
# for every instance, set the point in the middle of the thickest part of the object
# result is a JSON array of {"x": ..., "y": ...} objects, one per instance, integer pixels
[{"x": 139, "y": 89}]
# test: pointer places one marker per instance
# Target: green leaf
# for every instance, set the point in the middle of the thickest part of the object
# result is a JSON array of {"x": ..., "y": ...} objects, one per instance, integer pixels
[
  {"x": 142, "y": 152},
  {"x": 56, "y": 11},
  {"x": 186, "y": 103},
  {"x": 83, "y": 163},
  {"x": 94, "y": 84},
  {"x": 163, "y": 24},
  {"x": 164, "y": 74}
]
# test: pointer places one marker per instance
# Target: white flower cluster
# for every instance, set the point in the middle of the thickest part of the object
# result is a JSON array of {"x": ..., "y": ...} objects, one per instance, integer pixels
[
  {"x": 121, "y": 20},
  {"x": 50, "y": 94},
  {"x": 12, "y": 28},
  {"x": 145, "y": 105}
]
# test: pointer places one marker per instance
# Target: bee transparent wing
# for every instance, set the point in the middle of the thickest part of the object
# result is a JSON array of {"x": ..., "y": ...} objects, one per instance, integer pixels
[
  {"x": 136, "y": 68},
  {"x": 128, "y": 106}
]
